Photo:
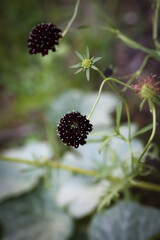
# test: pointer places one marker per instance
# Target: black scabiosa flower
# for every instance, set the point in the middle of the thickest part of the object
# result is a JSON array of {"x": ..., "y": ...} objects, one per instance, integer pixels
[
  {"x": 74, "y": 128},
  {"x": 43, "y": 37}
]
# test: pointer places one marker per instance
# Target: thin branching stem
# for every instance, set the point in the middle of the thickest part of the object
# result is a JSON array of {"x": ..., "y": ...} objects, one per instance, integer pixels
[
  {"x": 72, "y": 19},
  {"x": 155, "y": 25}
]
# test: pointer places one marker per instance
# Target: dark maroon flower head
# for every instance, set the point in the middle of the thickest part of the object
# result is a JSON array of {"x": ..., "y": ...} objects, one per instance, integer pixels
[
  {"x": 74, "y": 128},
  {"x": 43, "y": 37}
]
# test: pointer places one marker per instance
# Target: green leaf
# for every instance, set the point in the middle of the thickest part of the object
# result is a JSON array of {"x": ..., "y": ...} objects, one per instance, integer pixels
[
  {"x": 118, "y": 115},
  {"x": 105, "y": 143},
  {"x": 96, "y": 59},
  {"x": 87, "y": 74},
  {"x": 75, "y": 65},
  {"x": 143, "y": 130},
  {"x": 34, "y": 216},
  {"x": 79, "y": 55},
  {"x": 87, "y": 52},
  {"x": 125, "y": 221},
  {"x": 112, "y": 192}
]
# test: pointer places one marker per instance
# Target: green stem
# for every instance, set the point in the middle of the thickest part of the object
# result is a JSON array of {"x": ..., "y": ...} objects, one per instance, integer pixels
[
  {"x": 152, "y": 134},
  {"x": 145, "y": 185},
  {"x": 115, "y": 90},
  {"x": 126, "y": 106},
  {"x": 54, "y": 164},
  {"x": 50, "y": 164},
  {"x": 155, "y": 25},
  {"x": 131, "y": 43},
  {"x": 100, "y": 11},
  {"x": 131, "y": 154},
  {"x": 72, "y": 19},
  {"x": 138, "y": 72}
]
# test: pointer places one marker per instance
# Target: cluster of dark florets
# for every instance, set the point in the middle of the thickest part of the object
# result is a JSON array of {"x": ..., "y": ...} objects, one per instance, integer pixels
[
  {"x": 74, "y": 128},
  {"x": 43, "y": 37}
]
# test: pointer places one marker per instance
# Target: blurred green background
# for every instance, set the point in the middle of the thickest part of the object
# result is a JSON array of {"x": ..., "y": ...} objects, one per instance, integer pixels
[{"x": 29, "y": 83}]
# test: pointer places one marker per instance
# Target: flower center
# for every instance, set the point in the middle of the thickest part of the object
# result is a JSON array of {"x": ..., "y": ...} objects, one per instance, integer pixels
[
  {"x": 147, "y": 91},
  {"x": 86, "y": 63},
  {"x": 74, "y": 125}
]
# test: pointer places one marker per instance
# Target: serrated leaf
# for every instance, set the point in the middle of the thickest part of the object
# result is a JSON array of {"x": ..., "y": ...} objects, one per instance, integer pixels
[
  {"x": 75, "y": 65},
  {"x": 118, "y": 115},
  {"x": 112, "y": 193},
  {"x": 125, "y": 221},
  {"x": 34, "y": 216},
  {"x": 79, "y": 55},
  {"x": 143, "y": 130},
  {"x": 88, "y": 74}
]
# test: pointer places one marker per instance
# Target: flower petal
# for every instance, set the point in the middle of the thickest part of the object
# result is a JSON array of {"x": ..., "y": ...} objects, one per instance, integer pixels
[
  {"x": 87, "y": 74},
  {"x": 79, "y": 70},
  {"x": 79, "y": 55},
  {"x": 75, "y": 65},
  {"x": 96, "y": 59},
  {"x": 94, "y": 67}
]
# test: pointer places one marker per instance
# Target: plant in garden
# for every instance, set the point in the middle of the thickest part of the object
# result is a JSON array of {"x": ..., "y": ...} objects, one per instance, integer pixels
[{"x": 74, "y": 128}]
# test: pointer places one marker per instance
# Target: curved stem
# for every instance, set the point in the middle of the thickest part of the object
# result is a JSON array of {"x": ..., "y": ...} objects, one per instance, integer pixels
[
  {"x": 126, "y": 106},
  {"x": 152, "y": 134},
  {"x": 72, "y": 19},
  {"x": 115, "y": 90}
]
